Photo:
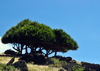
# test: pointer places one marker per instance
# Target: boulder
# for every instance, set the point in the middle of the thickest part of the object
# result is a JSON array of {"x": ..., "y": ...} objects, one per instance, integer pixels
[
  {"x": 11, "y": 61},
  {"x": 21, "y": 65},
  {"x": 67, "y": 68},
  {"x": 68, "y": 59},
  {"x": 49, "y": 61},
  {"x": 91, "y": 66},
  {"x": 10, "y": 52},
  {"x": 27, "y": 58},
  {"x": 61, "y": 70},
  {"x": 39, "y": 59}
]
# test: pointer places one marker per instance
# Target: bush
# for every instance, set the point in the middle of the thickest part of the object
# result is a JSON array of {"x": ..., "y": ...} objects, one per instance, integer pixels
[{"x": 4, "y": 67}]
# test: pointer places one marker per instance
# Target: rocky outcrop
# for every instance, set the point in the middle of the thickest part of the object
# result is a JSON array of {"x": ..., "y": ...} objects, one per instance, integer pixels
[
  {"x": 27, "y": 58},
  {"x": 67, "y": 59},
  {"x": 90, "y": 66},
  {"x": 36, "y": 58},
  {"x": 21, "y": 65},
  {"x": 39, "y": 59},
  {"x": 49, "y": 61},
  {"x": 10, "y": 52},
  {"x": 11, "y": 61}
]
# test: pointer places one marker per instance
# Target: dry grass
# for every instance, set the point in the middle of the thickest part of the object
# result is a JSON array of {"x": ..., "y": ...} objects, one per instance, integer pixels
[
  {"x": 31, "y": 67},
  {"x": 5, "y": 60},
  {"x": 41, "y": 68}
]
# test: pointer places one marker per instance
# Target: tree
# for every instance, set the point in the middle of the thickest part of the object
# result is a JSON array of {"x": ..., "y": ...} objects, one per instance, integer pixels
[
  {"x": 29, "y": 34},
  {"x": 33, "y": 35}
]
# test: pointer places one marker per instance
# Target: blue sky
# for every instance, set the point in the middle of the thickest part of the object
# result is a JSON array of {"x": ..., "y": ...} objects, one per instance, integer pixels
[{"x": 79, "y": 18}]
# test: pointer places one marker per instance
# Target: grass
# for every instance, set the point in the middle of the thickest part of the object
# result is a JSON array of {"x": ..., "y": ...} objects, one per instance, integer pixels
[
  {"x": 58, "y": 63},
  {"x": 31, "y": 66},
  {"x": 4, "y": 67},
  {"x": 41, "y": 68},
  {"x": 78, "y": 68}
]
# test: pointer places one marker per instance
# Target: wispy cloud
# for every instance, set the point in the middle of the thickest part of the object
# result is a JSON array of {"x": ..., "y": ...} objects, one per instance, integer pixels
[{"x": 4, "y": 47}]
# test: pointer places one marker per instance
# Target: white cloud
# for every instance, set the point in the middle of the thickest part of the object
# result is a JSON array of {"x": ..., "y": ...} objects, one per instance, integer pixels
[{"x": 4, "y": 47}]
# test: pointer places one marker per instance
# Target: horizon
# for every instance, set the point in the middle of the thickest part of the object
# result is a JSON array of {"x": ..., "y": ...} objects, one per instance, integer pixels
[{"x": 80, "y": 19}]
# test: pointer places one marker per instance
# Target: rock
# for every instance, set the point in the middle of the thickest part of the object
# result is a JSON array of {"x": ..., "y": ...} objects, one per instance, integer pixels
[
  {"x": 10, "y": 52},
  {"x": 61, "y": 70},
  {"x": 67, "y": 67},
  {"x": 27, "y": 58},
  {"x": 39, "y": 59},
  {"x": 11, "y": 61},
  {"x": 21, "y": 65},
  {"x": 49, "y": 61},
  {"x": 58, "y": 56},
  {"x": 68, "y": 59},
  {"x": 95, "y": 67}
]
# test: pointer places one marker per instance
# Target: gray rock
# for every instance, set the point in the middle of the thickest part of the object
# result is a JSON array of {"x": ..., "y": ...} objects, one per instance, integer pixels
[
  {"x": 61, "y": 70},
  {"x": 21, "y": 65},
  {"x": 11, "y": 61}
]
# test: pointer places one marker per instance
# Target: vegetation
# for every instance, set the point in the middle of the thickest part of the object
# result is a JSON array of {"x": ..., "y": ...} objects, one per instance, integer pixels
[
  {"x": 27, "y": 34},
  {"x": 31, "y": 66},
  {"x": 4, "y": 67},
  {"x": 58, "y": 63},
  {"x": 78, "y": 68}
]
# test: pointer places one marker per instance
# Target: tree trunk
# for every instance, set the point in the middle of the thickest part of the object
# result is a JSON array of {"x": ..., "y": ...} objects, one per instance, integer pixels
[
  {"x": 26, "y": 49},
  {"x": 55, "y": 53},
  {"x": 46, "y": 53}
]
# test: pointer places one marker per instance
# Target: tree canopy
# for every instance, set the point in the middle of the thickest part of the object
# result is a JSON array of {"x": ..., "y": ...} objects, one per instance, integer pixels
[{"x": 35, "y": 35}]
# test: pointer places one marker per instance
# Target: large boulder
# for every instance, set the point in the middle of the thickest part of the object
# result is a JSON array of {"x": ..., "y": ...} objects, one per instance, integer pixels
[
  {"x": 49, "y": 61},
  {"x": 27, "y": 58},
  {"x": 68, "y": 59},
  {"x": 39, "y": 59},
  {"x": 10, "y": 52},
  {"x": 36, "y": 58},
  {"x": 21, "y": 65}
]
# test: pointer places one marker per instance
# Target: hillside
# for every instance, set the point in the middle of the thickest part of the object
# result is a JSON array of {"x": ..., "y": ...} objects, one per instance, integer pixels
[
  {"x": 31, "y": 67},
  {"x": 59, "y": 63}
]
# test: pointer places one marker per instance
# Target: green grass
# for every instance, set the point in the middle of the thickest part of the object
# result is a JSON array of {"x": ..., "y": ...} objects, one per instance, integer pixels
[
  {"x": 78, "y": 68},
  {"x": 4, "y": 67},
  {"x": 58, "y": 63}
]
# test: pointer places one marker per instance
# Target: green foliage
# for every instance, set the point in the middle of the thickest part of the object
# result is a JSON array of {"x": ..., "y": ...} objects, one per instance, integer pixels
[
  {"x": 4, "y": 67},
  {"x": 58, "y": 63},
  {"x": 78, "y": 68},
  {"x": 36, "y": 34},
  {"x": 63, "y": 41}
]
